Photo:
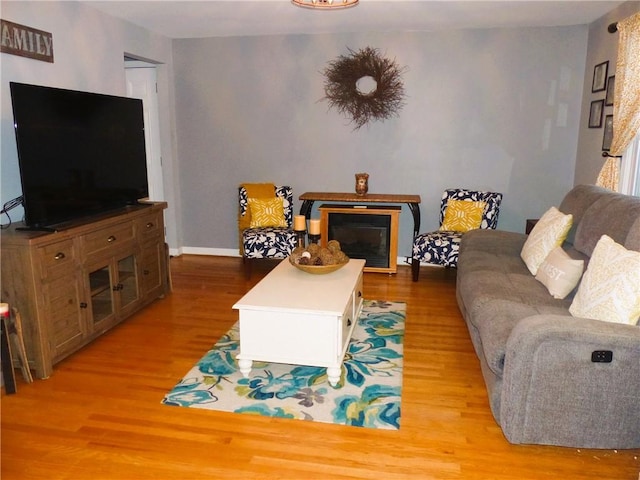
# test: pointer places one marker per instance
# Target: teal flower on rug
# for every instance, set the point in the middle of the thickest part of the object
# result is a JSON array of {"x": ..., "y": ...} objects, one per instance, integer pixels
[
  {"x": 371, "y": 408},
  {"x": 368, "y": 394}
]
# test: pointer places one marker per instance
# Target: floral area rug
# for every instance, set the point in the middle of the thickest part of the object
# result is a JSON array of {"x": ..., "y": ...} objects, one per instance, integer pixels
[{"x": 367, "y": 395}]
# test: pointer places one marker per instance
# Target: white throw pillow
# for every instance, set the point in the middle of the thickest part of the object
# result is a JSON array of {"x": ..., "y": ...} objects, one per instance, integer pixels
[
  {"x": 547, "y": 234},
  {"x": 560, "y": 273},
  {"x": 610, "y": 288}
]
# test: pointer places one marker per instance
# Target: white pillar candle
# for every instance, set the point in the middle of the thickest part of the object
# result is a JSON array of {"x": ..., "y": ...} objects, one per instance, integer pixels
[
  {"x": 299, "y": 223},
  {"x": 314, "y": 227}
]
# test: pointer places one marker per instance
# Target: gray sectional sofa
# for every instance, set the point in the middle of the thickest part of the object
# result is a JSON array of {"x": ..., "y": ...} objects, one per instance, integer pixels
[{"x": 536, "y": 358}]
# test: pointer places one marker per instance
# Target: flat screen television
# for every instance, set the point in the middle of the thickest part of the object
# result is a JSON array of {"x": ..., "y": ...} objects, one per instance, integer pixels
[{"x": 79, "y": 153}]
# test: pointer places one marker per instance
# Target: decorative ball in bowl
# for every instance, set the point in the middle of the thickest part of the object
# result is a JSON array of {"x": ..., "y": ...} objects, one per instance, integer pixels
[{"x": 319, "y": 260}]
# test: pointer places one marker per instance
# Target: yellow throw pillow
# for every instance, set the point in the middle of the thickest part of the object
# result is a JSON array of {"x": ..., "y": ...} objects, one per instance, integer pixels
[
  {"x": 266, "y": 212},
  {"x": 560, "y": 273},
  {"x": 462, "y": 215},
  {"x": 610, "y": 288},
  {"x": 547, "y": 234}
]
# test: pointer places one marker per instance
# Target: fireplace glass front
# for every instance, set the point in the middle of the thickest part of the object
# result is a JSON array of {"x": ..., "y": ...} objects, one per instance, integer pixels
[{"x": 362, "y": 236}]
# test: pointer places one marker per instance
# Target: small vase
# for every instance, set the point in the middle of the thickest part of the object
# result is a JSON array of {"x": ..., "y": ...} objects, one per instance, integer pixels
[{"x": 362, "y": 183}]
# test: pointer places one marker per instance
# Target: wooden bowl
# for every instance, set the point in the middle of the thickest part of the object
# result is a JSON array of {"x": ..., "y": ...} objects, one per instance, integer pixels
[{"x": 317, "y": 269}]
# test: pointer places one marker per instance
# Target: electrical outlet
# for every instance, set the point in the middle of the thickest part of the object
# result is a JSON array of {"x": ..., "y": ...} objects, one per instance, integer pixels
[{"x": 602, "y": 356}]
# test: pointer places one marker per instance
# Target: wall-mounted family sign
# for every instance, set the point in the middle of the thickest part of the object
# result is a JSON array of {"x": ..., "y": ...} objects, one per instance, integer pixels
[{"x": 25, "y": 41}]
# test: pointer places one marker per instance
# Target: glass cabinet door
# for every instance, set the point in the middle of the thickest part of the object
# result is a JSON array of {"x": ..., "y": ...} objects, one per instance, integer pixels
[
  {"x": 127, "y": 286},
  {"x": 101, "y": 293}
]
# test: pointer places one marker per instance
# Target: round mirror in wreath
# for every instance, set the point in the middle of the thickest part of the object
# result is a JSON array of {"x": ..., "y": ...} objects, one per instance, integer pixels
[{"x": 364, "y": 86}]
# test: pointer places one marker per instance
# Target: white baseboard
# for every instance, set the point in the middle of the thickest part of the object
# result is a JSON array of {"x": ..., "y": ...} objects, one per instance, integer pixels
[
  {"x": 232, "y": 252},
  {"x": 220, "y": 252}
]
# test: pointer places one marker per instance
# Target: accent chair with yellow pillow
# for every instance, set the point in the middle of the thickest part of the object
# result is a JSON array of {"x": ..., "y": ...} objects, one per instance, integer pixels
[
  {"x": 265, "y": 218},
  {"x": 461, "y": 211}
]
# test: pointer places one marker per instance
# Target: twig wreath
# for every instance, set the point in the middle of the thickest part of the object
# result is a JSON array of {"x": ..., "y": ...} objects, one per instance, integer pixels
[{"x": 344, "y": 89}]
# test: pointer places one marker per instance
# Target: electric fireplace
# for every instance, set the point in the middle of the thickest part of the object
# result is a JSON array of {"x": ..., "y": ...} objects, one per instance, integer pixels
[{"x": 369, "y": 233}]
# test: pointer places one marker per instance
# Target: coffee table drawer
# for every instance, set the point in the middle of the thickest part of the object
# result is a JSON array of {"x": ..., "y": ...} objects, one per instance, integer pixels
[{"x": 293, "y": 338}]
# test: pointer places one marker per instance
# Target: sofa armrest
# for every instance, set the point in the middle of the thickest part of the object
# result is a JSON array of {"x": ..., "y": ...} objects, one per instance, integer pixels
[{"x": 554, "y": 393}]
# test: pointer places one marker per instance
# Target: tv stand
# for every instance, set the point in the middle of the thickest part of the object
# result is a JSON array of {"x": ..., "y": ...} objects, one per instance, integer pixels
[{"x": 73, "y": 285}]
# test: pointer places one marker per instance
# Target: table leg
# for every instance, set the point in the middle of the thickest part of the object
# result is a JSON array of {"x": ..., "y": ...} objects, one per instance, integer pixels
[
  {"x": 305, "y": 209},
  {"x": 7, "y": 364},
  {"x": 333, "y": 373},
  {"x": 415, "y": 211},
  {"x": 245, "y": 367}
]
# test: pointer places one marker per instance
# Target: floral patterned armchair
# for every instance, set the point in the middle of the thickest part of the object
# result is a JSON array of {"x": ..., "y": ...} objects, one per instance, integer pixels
[
  {"x": 441, "y": 247},
  {"x": 266, "y": 241}
]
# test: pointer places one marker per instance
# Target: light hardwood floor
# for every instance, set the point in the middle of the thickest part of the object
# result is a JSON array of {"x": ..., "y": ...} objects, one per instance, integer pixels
[{"x": 99, "y": 415}]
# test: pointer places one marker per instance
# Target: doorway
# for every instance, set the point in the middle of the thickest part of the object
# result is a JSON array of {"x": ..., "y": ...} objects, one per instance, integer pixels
[{"x": 141, "y": 79}]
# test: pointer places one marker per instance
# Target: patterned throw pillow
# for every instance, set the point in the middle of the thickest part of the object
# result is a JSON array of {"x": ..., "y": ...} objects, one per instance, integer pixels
[
  {"x": 266, "y": 212},
  {"x": 610, "y": 288},
  {"x": 547, "y": 234},
  {"x": 462, "y": 216},
  {"x": 560, "y": 273}
]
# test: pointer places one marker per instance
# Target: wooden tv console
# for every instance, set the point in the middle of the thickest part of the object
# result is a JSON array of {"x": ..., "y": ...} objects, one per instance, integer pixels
[{"x": 72, "y": 285}]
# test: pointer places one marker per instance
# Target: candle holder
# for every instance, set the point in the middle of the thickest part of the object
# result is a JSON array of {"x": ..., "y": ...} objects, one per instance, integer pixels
[
  {"x": 314, "y": 238},
  {"x": 300, "y": 237}
]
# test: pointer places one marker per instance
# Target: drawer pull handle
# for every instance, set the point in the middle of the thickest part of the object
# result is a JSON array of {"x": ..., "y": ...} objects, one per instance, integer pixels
[
  {"x": 83, "y": 305},
  {"x": 59, "y": 256},
  {"x": 111, "y": 239},
  {"x": 348, "y": 322},
  {"x": 359, "y": 294},
  {"x": 150, "y": 224},
  {"x": 146, "y": 272}
]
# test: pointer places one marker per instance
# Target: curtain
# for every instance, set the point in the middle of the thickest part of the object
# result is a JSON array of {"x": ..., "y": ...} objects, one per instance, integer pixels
[{"x": 626, "y": 99}]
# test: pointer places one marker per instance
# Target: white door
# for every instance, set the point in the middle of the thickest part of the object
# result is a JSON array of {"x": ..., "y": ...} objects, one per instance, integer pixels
[{"x": 141, "y": 83}]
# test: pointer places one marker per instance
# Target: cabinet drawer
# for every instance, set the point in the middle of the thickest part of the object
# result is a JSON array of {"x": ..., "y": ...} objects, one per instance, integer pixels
[
  {"x": 56, "y": 258},
  {"x": 107, "y": 238},
  {"x": 149, "y": 225}
]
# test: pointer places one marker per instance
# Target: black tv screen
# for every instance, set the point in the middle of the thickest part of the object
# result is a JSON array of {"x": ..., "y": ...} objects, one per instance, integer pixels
[{"x": 79, "y": 153}]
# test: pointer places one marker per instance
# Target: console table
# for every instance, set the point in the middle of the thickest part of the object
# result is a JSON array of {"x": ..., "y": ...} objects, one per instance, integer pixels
[{"x": 412, "y": 201}]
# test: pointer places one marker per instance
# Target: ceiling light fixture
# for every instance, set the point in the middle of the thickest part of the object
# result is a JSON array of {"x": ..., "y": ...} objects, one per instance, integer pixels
[{"x": 325, "y": 4}]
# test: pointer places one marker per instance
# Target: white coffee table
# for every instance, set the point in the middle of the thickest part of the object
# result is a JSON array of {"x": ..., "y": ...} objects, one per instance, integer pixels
[{"x": 299, "y": 318}]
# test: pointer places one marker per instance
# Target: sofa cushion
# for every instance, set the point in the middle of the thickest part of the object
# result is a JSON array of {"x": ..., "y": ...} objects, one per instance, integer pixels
[
  {"x": 560, "y": 273},
  {"x": 462, "y": 215},
  {"x": 548, "y": 233},
  {"x": 614, "y": 215},
  {"x": 496, "y": 320},
  {"x": 576, "y": 202},
  {"x": 267, "y": 212},
  {"x": 610, "y": 289}
]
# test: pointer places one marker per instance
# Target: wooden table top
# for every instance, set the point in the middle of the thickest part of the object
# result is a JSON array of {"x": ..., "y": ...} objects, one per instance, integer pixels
[{"x": 367, "y": 198}]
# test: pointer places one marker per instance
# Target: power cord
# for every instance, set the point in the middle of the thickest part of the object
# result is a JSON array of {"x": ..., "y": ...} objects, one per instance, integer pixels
[{"x": 11, "y": 204}]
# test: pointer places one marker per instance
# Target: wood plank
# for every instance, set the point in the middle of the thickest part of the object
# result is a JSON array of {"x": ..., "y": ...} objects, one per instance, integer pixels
[
  {"x": 99, "y": 415},
  {"x": 366, "y": 198}
]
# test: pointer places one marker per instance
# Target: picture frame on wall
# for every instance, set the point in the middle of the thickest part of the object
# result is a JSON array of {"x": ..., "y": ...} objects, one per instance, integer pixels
[
  {"x": 595, "y": 114},
  {"x": 607, "y": 137},
  {"x": 611, "y": 85},
  {"x": 600, "y": 77}
]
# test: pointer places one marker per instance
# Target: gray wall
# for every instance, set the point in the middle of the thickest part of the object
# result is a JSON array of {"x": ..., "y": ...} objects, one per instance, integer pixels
[
  {"x": 486, "y": 109},
  {"x": 89, "y": 49},
  {"x": 603, "y": 46}
]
